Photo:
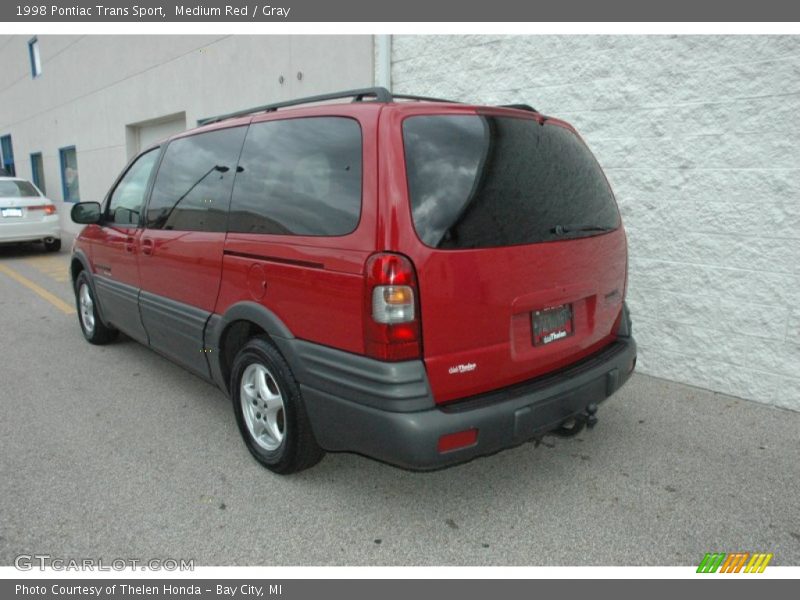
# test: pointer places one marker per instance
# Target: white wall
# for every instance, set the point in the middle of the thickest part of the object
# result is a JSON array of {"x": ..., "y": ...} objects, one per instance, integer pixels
[
  {"x": 92, "y": 87},
  {"x": 699, "y": 138}
]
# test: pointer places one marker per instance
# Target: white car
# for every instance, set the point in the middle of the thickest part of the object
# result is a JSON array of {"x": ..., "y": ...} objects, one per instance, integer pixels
[{"x": 26, "y": 215}]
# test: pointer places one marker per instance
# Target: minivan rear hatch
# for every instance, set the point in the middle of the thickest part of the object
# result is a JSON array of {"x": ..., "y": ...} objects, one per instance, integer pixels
[{"x": 522, "y": 264}]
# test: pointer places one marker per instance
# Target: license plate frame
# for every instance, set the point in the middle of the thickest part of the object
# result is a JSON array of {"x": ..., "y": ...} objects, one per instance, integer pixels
[
  {"x": 11, "y": 213},
  {"x": 552, "y": 324}
]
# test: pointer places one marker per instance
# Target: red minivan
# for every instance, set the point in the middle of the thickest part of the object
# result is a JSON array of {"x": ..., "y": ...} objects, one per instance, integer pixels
[{"x": 416, "y": 280}]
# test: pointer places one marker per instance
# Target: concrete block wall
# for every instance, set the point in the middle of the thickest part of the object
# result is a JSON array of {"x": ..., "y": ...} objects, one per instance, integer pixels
[{"x": 699, "y": 138}]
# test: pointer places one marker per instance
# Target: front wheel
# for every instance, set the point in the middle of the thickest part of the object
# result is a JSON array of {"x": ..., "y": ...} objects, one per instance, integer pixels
[
  {"x": 270, "y": 411},
  {"x": 94, "y": 330}
]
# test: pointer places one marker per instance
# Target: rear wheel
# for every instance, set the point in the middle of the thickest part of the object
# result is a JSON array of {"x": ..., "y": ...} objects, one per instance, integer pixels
[
  {"x": 53, "y": 245},
  {"x": 94, "y": 330},
  {"x": 270, "y": 411}
]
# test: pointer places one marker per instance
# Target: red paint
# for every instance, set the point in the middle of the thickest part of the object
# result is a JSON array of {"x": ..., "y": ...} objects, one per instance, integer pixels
[
  {"x": 112, "y": 250},
  {"x": 182, "y": 265},
  {"x": 474, "y": 305},
  {"x": 322, "y": 305}
]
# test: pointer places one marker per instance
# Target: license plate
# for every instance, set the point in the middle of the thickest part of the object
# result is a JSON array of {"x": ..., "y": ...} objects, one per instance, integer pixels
[
  {"x": 11, "y": 212},
  {"x": 552, "y": 324}
]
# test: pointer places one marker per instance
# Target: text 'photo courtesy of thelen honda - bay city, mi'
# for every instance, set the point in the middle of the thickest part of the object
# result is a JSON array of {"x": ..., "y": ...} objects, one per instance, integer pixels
[{"x": 416, "y": 280}]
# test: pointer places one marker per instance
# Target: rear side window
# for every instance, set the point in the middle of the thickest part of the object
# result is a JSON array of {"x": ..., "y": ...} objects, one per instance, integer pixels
[
  {"x": 193, "y": 184},
  {"x": 299, "y": 177},
  {"x": 479, "y": 182}
]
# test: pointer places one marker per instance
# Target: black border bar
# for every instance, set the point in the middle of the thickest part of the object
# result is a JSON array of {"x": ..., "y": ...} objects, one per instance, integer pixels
[{"x": 439, "y": 11}]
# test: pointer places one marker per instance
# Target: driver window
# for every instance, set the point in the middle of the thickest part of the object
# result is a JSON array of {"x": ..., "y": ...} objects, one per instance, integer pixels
[{"x": 127, "y": 199}]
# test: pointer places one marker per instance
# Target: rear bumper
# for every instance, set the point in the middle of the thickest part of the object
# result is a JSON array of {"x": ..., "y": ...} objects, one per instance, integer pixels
[
  {"x": 503, "y": 418},
  {"x": 29, "y": 231}
]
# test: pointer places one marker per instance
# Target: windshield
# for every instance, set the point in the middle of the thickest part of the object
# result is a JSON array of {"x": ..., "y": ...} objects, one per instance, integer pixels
[
  {"x": 478, "y": 182},
  {"x": 17, "y": 189}
]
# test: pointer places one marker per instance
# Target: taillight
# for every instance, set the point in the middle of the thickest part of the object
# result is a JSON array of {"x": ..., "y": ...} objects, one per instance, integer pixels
[
  {"x": 391, "y": 325},
  {"x": 49, "y": 209}
]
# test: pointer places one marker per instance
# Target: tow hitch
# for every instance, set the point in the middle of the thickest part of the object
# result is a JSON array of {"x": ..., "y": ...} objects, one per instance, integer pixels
[
  {"x": 574, "y": 425},
  {"x": 591, "y": 415}
]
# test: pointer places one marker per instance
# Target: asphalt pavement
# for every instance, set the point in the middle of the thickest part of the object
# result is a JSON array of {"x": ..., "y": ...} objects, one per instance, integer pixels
[{"x": 114, "y": 452}]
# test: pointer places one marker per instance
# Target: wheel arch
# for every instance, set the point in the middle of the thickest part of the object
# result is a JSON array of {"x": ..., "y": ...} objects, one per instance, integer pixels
[
  {"x": 79, "y": 263},
  {"x": 227, "y": 333}
]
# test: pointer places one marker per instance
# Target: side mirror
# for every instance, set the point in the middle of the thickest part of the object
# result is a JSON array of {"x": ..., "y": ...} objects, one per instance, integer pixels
[{"x": 86, "y": 213}]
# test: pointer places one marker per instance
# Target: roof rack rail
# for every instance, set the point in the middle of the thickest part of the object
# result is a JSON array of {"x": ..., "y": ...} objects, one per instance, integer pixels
[
  {"x": 527, "y": 107},
  {"x": 380, "y": 94},
  {"x": 422, "y": 98}
]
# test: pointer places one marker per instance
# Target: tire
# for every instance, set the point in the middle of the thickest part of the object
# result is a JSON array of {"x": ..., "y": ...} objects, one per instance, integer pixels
[
  {"x": 53, "y": 246},
  {"x": 269, "y": 409},
  {"x": 93, "y": 328}
]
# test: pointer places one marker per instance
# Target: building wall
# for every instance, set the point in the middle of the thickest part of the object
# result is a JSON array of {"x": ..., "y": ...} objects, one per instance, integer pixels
[
  {"x": 96, "y": 91},
  {"x": 698, "y": 136}
]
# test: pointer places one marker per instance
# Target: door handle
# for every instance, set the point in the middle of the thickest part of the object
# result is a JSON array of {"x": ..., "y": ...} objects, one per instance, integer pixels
[
  {"x": 147, "y": 246},
  {"x": 129, "y": 246}
]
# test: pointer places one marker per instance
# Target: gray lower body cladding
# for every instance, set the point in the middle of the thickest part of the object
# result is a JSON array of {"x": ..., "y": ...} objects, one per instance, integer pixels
[{"x": 386, "y": 410}]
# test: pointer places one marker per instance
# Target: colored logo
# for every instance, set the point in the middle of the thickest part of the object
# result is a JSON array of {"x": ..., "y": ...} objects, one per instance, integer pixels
[{"x": 737, "y": 562}]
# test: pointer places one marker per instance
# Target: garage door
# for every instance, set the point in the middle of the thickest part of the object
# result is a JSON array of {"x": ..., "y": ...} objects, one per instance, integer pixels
[{"x": 143, "y": 134}]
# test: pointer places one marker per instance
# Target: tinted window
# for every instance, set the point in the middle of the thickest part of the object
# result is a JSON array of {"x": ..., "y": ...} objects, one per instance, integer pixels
[
  {"x": 70, "y": 181},
  {"x": 127, "y": 199},
  {"x": 478, "y": 182},
  {"x": 299, "y": 177},
  {"x": 193, "y": 185},
  {"x": 37, "y": 168},
  {"x": 17, "y": 189}
]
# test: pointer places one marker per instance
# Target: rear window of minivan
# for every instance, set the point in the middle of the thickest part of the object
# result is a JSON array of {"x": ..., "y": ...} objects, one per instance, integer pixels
[{"x": 484, "y": 181}]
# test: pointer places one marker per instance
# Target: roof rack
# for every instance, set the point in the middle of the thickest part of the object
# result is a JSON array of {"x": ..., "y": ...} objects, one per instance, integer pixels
[
  {"x": 379, "y": 94},
  {"x": 423, "y": 98},
  {"x": 527, "y": 107}
]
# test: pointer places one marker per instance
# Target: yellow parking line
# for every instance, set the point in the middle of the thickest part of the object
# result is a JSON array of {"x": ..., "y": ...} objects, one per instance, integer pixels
[
  {"x": 55, "y": 267},
  {"x": 45, "y": 260},
  {"x": 39, "y": 290}
]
